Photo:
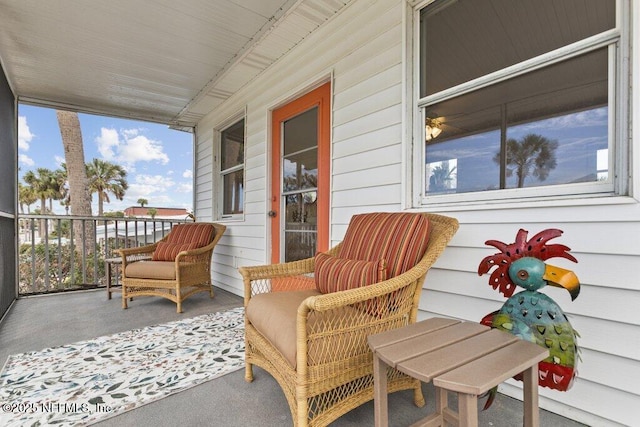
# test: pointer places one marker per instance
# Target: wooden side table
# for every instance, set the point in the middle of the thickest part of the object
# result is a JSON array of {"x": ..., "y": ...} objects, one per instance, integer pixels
[
  {"x": 109, "y": 264},
  {"x": 115, "y": 262},
  {"x": 462, "y": 357}
]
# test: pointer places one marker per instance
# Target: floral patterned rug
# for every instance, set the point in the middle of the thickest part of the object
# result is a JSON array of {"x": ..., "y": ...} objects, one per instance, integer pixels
[{"x": 89, "y": 381}]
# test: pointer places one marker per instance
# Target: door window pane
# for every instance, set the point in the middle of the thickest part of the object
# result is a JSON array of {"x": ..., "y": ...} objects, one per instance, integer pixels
[
  {"x": 299, "y": 185},
  {"x": 301, "y": 132},
  {"x": 300, "y": 225},
  {"x": 300, "y": 171}
]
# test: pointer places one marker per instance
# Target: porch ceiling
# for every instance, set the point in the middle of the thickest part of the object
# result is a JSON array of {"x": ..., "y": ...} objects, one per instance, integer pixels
[{"x": 158, "y": 60}]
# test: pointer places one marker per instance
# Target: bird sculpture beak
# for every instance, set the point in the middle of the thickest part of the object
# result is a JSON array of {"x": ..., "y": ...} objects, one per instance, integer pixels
[{"x": 562, "y": 278}]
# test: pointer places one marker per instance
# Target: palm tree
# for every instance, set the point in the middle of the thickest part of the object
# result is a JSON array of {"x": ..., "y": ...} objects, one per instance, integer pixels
[
  {"x": 152, "y": 212},
  {"x": 143, "y": 202},
  {"x": 105, "y": 178},
  {"x": 62, "y": 183},
  {"x": 26, "y": 196},
  {"x": 41, "y": 183},
  {"x": 79, "y": 197},
  {"x": 441, "y": 177},
  {"x": 532, "y": 155}
]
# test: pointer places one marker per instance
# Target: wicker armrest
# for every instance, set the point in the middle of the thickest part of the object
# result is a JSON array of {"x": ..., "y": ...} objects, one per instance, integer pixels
[
  {"x": 332, "y": 328},
  {"x": 130, "y": 255},
  {"x": 195, "y": 255},
  {"x": 127, "y": 252},
  {"x": 297, "y": 274},
  {"x": 259, "y": 272},
  {"x": 259, "y": 279}
]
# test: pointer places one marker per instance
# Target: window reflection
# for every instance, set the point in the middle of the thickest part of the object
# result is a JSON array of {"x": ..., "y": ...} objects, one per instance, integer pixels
[
  {"x": 233, "y": 186},
  {"x": 463, "y": 165},
  {"x": 542, "y": 128},
  {"x": 559, "y": 150},
  {"x": 232, "y": 168},
  {"x": 300, "y": 170}
]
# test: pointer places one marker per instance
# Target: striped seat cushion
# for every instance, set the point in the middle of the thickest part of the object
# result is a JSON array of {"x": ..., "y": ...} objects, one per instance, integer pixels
[
  {"x": 337, "y": 274},
  {"x": 183, "y": 237},
  {"x": 200, "y": 234},
  {"x": 400, "y": 239}
]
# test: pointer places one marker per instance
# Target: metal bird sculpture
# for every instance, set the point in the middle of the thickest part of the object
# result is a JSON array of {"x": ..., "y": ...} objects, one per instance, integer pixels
[{"x": 529, "y": 314}]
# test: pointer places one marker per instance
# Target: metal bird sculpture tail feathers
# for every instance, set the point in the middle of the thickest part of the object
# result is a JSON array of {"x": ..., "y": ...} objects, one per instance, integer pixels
[{"x": 530, "y": 314}]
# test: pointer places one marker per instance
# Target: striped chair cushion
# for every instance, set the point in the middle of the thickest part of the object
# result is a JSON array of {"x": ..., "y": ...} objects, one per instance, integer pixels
[
  {"x": 337, "y": 274},
  {"x": 200, "y": 234},
  {"x": 169, "y": 251},
  {"x": 183, "y": 237},
  {"x": 400, "y": 239}
]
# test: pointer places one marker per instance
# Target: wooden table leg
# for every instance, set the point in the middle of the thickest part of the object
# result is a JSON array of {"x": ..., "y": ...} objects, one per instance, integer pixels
[
  {"x": 380, "y": 403},
  {"x": 531, "y": 411},
  {"x": 442, "y": 403},
  {"x": 468, "y": 409},
  {"x": 108, "y": 268}
]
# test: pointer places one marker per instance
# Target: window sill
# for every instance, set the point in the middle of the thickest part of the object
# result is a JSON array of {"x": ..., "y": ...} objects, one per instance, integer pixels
[{"x": 564, "y": 201}]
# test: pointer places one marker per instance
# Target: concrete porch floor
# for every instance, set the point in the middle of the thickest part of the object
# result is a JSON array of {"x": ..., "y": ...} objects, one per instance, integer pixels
[{"x": 35, "y": 323}]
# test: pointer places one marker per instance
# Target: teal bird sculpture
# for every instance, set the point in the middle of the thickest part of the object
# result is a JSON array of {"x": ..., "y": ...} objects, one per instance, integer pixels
[{"x": 530, "y": 314}]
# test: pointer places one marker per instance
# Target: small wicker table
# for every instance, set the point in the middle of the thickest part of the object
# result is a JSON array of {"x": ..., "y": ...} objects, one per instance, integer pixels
[
  {"x": 462, "y": 357},
  {"x": 116, "y": 262}
]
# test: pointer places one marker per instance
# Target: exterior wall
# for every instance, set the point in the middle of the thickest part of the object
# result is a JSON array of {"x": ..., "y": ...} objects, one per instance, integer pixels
[{"x": 362, "y": 51}]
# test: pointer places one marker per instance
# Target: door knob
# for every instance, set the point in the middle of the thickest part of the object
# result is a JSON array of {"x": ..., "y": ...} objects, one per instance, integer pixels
[{"x": 272, "y": 214}]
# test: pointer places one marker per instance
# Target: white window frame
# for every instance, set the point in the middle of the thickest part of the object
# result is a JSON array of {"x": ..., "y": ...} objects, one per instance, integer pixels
[
  {"x": 219, "y": 173},
  {"x": 615, "y": 190}
]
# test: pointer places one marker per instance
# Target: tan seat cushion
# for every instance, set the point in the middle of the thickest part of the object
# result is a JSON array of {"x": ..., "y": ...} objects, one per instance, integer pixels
[
  {"x": 159, "y": 270},
  {"x": 274, "y": 316}
]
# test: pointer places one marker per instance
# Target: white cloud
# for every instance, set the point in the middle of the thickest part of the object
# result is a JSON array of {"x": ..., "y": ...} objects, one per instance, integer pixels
[
  {"x": 149, "y": 187},
  {"x": 187, "y": 174},
  {"x": 141, "y": 148},
  {"x": 130, "y": 133},
  {"x": 185, "y": 187},
  {"x": 128, "y": 147},
  {"x": 59, "y": 160},
  {"x": 25, "y": 160},
  {"x": 107, "y": 142},
  {"x": 24, "y": 134}
]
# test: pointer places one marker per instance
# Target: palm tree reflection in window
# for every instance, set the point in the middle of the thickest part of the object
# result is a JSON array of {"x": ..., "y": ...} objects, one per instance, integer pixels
[
  {"x": 532, "y": 155},
  {"x": 442, "y": 176}
]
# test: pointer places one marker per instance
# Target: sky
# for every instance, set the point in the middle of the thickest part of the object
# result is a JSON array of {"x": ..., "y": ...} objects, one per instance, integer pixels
[{"x": 158, "y": 160}]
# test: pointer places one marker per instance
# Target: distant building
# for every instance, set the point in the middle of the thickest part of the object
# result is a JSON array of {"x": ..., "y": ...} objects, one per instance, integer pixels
[{"x": 143, "y": 212}]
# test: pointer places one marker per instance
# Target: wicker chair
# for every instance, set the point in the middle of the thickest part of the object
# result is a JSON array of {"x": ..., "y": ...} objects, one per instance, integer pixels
[
  {"x": 320, "y": 357},
  {"x": 175, "y": 267}
]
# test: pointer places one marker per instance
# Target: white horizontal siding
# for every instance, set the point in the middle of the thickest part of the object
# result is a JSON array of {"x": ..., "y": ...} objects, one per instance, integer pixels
[
  {"x": 362, "y": 49},
  {"x": 605, "y": 314}
]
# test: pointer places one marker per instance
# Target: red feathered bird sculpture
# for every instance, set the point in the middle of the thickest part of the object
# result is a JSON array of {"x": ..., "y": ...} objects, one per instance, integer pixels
[{"x": 530, "y": 314}]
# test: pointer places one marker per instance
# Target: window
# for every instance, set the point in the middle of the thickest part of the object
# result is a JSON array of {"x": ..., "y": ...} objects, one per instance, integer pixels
[
  {"x": 232, "y": 170},
  {"x": 518, "y": 98}
]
